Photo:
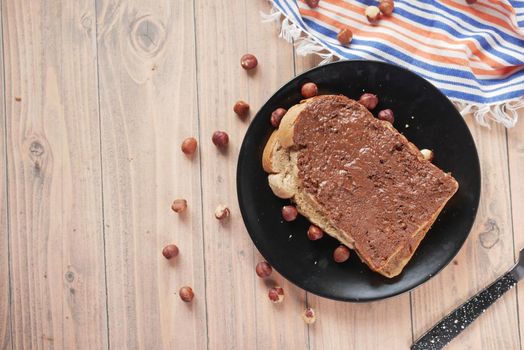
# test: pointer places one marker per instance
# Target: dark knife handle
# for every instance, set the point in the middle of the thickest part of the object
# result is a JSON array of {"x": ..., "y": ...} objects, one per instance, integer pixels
[{"x": 454, "y": 323}]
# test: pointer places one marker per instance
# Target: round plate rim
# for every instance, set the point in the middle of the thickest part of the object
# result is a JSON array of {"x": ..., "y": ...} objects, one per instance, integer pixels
[{"x": 247, "y": 223}]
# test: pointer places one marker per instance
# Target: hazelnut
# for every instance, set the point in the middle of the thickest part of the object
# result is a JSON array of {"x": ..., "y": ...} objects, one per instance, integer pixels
[
  {"x": 277, "y": 116},
  {"x": 309, "y": 90},
  {"x": 372, "y": 13},
  {"x": 289, "y": 212},
  {"x": 312, "y": 3},
  {"x": 186, "y": 294},
  {"x": 179, "y": 205},
  {"x": 309, "y": 316},
  {"x": 222, "y": 212},
  {"x": 387, "y": 115},
  {"x": 471, "y": 2},
  {"x": 386, "y": 7},
  {"x": 427, "y": 154},
  {"x": 341, "y": 254},
  {"x": 170, "y": 251},
  {"x": 314, "y": 233},
  {"x": 241, "y": 108},
  {"x": 263, "y": 269},
  {"x": 276, "y": 295},
  {"x": 369, "y": 101},
  {"x": 248, "y": 61},
  {"x": 189, "y": 146},
  {"x": 220, "y": 138},
  {"x": 345, "y": 35}
]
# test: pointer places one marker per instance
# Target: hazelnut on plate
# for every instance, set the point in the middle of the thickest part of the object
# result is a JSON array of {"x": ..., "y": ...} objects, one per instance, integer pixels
[
  {"x": 309, "y": 90},
  {"x": 387, "y": 115},
  {"x": 427, "y": 154},
  {"x": 289, "y": 212},
  {"x": 341, "y": 254},
  {"x": 370, "y": 101},
  {"x": 276, "y": 117},
  {"x": 314, "y": 233}
]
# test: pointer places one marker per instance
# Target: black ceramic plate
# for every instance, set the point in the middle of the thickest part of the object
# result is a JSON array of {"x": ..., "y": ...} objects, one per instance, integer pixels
[{"x": 427, "y": 118}]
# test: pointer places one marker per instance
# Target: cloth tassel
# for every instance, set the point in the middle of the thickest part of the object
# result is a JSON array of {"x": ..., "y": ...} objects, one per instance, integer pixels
[{"x": 504, "y": 113}]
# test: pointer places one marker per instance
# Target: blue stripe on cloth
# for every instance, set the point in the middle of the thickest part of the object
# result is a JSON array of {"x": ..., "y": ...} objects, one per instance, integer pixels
[{"x": 510, "y": 87}]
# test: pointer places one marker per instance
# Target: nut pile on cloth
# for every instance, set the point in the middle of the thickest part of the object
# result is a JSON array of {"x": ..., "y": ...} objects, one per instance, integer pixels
[{"x": 472, "y": 50}]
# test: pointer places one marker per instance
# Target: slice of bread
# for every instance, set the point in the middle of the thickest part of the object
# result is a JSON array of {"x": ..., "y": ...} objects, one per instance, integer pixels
[{"x": 357, "y": 178}]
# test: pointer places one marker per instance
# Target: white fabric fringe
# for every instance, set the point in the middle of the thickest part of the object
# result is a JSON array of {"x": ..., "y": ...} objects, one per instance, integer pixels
[{"x": 505, "y": 113}]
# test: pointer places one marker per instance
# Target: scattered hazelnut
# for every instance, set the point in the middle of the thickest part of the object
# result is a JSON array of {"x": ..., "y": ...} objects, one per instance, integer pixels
[
  {"x": 18, "y": 98},
  {"x": 314, "y": 233},
  {"x": 186, "y": 294},
  {"x": 222, "y": 212},
  {"x": 387, "y": 115},
  {"x": 386, "y": 7},
  {"x": 248, "y": 61},
  {"x": 341, "y": 254},
  {"x": 309, "y": 316},
  {"x": 220, "y": 138},
  {"x": 263, "y": 269},
  {"x": 277, "y": 116},
  {"x": 309, "y": 90},
  {"x": 170, "y": 251},
  {"x": 369, "y": 101},
  {"x": 241, "y": 108},
  {"x": 189, "y": 146},
  {"x": 276, "y": 295},
  {"x": 179, "y": 205},
  {"x": 427, "y": 154},
  {"x": 471, "y": 1},
  {"x": 372, "y": 13},
  {"x": 345, "y": 35},
  {"x": 289, "y": 212},
  {"x": 312, "y": 3}
]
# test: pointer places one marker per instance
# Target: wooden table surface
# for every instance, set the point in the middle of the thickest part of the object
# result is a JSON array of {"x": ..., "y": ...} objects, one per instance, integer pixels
[{"x": 97, "y": 96}]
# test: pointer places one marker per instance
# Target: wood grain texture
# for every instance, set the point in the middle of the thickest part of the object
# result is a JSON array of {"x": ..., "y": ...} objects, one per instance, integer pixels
[
  {"x": 5, "y": 297},
  {"x": 487, "y": 253},
  {"x": 148, "y": 106},
  {"x": 240, "y": 315},
  {"x": 56, "y": 245},
  {"x": 354, "y": 326},
  {"x": 516, "y": 171}
]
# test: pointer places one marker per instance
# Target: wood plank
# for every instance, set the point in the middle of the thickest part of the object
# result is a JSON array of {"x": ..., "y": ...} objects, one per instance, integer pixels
[
  {"x": 226, "y": 31},
  {"x": 354, "y": 326},
  {"x": 53, "y": 154},
  {"x": 148, "y": 106},
  {"x": 516, "y": 169},
  {"x": 5, "y": 301},
  {"x": 487, "y": 253}
]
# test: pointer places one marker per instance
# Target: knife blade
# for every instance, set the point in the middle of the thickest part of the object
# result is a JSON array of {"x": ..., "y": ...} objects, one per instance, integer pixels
[{"x": 459, "y": 319}]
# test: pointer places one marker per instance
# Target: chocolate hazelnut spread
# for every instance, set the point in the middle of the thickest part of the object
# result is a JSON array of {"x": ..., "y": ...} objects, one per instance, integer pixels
[{"x": 372, "y": 183}]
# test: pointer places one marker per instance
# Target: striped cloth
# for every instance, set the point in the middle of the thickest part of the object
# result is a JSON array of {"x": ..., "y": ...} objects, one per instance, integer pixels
[{"x": 472, "y": 53}]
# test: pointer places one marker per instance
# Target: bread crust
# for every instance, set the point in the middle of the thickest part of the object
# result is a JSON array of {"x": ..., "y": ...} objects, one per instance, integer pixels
[{"x": 280, "y": 161}]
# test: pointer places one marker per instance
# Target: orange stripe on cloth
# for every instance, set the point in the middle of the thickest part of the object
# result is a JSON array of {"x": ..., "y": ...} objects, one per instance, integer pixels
[
  {"x": 409, "y": 48},
  {"x": 475, "y": 50},
  {"x": 485, "y": 16}
]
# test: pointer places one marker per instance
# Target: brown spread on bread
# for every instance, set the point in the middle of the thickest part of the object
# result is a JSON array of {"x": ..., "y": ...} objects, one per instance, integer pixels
[{"x": 357, "y": 178}]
